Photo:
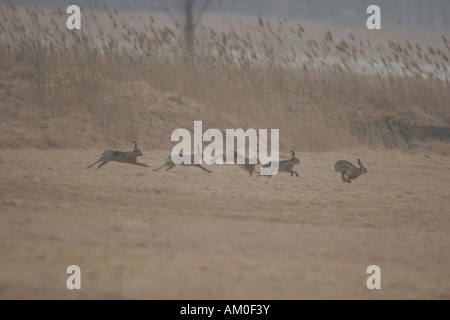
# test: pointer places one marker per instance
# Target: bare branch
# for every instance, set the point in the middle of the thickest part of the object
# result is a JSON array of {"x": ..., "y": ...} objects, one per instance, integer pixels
[
  {"x": 205, "y": 5},
  {"x": 166, "y": 8}
]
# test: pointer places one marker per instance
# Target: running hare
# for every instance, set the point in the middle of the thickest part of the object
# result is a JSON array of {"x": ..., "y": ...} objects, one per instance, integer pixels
[
  {"x": 170, "y": 164},
  {"x": 348, "y": 170},
  {"x": 285, "y": 165},
  {"x": 247, "y": 165},
  {"x": 120, "y": 156}
]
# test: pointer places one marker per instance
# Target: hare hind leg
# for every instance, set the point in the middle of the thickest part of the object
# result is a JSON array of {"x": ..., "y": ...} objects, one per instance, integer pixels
[
  {"x": 99, "y": 160},
  {"x": 105, "y": 161},
  {"x": 164, "y": 165},
  {"x": 345, "y": 178},
  {"x": 170, "y": 166},
  {"x": 203, "y": 168}
]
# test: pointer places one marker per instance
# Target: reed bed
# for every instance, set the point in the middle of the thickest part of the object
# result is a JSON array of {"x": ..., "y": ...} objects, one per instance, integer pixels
[{"x": 123, "y": 77}]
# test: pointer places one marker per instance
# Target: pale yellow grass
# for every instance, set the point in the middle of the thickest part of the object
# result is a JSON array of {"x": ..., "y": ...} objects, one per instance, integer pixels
[{"x": 187, "y": 234}]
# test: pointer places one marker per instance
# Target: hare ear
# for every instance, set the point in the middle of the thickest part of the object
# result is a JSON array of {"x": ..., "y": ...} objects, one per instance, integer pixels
[
  {"x": 360, "y": 163},
  {"x": 292, "y": 153},
  {"x": 135, "y": 144}
]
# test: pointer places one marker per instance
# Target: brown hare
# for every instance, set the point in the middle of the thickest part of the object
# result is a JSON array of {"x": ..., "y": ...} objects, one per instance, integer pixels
[
  {"x": 120, "y": 156},
  {"x": 285, "y": 165},
  {"x": 170, "y": 164},
  {"x": 348, "y": 170},
  {"x": 247, "y": 166}
]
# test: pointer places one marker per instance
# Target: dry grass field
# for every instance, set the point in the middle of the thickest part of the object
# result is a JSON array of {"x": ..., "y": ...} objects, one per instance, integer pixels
[{"x": 185, "y": 234}]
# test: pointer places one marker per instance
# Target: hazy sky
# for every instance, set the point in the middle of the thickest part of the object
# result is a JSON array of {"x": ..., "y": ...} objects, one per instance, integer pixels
[{"x": 407, "y": 13}]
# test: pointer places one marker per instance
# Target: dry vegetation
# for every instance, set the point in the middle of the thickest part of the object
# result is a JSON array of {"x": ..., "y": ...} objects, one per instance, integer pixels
[
  {"x": 188, "y": 234},
  {"x": 115, "y": 81},
  {"x": 65, "y": 96}
]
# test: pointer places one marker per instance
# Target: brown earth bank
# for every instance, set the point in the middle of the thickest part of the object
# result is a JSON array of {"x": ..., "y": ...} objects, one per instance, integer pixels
[{"x": 187, "y": 234}]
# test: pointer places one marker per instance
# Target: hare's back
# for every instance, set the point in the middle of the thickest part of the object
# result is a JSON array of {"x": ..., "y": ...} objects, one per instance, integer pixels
[{"x": 342, "y": 165}]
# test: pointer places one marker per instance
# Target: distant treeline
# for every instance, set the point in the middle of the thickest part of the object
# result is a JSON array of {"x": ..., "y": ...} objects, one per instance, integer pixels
[{"x": 404, "y": 13}]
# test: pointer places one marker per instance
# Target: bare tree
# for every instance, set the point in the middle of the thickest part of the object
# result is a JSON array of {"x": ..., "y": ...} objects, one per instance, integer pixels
[{"x": 191, "y": 21}]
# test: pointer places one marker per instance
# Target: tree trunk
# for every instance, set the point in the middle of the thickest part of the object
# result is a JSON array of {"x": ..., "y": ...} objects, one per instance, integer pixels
[{"x": 189, "y": 29}]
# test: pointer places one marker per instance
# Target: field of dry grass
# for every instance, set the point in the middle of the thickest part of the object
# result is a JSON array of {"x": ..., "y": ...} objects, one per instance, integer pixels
[
  {"x": 186, "y": 234},
  {"x": 125, "y": 77}
]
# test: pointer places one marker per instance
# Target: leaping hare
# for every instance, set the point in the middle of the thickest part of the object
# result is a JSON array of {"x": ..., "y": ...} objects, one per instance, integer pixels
[
  {"x": 170, "y": 165},
  {"x": 120, "y": 156},
  {"x": 348, "y": 170},
  {"x": 285, "y": 165},
  {"x": 247, "y": 166}
]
